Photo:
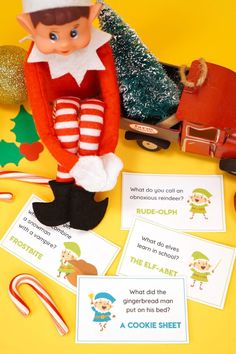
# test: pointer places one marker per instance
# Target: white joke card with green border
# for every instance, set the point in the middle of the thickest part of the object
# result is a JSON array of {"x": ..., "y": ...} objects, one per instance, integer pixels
[
  {"x": 186, "y": 202},
  {"x": 131, "y": 310},
  {"x": 154, "y": 250},
  {"x": 59, "y": 252}
]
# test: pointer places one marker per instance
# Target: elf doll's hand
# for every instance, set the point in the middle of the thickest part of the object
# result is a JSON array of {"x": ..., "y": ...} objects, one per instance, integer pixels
[
  {"x": 89, "y": 173},
  {"x": 112, "y": 165}
]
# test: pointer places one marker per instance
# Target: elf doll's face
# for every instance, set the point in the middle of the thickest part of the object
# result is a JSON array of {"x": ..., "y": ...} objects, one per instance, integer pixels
[{"x": 63, "y": 39}]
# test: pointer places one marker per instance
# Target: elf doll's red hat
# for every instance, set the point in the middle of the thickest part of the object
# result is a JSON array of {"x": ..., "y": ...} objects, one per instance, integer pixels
[{"x": 36, "y": 5}]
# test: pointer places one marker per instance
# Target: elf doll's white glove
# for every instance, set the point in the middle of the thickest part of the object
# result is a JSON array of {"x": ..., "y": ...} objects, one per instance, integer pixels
[
  {"x": 89, "y": 173},
  {"x": 112, "y": 165},
  {"x": 97, "y": 173}
]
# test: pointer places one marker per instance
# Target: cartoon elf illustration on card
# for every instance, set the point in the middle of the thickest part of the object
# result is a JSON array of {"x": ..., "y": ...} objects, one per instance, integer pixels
[
  {"x": 71, "y": 265},
  {"x": 201, "y": 269},
  {"x": 69, "y": 253},
  {"x": 199, "y": 200},
  {"x": 101, "y": 304}
]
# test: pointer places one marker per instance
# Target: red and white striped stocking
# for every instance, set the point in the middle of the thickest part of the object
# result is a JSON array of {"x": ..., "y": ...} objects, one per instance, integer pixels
[
  {"x": 91, "y": 123},
  {"x": 78, "y": 126},
  {"x": 66, "y": 111}
]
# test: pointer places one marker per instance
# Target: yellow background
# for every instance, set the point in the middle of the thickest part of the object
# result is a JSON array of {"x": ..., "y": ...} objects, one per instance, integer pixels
[{"x": 177, "y": 31}]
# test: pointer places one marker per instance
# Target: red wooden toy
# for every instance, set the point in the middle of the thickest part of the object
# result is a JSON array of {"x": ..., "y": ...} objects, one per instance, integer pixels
[{"x": 206, "y": 116}]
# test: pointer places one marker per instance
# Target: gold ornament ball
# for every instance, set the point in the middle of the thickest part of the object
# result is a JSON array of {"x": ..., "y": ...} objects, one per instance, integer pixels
[{"x": 12, "y": 83}]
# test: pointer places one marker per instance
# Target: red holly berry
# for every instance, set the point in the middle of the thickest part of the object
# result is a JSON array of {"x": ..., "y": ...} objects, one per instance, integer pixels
[{"x": 31, "y": 151}]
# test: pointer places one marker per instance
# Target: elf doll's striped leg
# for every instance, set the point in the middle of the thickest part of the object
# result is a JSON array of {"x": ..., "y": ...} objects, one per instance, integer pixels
[
  {"x": 91, "y": 124},
  {"x": 66, "y": 125},
  {"x": 66, "y": 113}
]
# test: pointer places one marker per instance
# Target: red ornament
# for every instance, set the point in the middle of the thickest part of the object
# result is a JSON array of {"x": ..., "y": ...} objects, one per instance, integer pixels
[{"x": 31, "y": 151}]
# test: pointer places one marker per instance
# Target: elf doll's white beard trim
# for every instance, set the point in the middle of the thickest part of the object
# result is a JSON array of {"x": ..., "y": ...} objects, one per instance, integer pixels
[{"x": 77, "y": 63}]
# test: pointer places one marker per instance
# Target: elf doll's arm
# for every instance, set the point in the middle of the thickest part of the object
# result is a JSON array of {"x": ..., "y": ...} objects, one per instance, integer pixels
[
  {"x": 109, "y": 92},
  {"x": 42, "y": 113},
  {"x": 110, "y": 96}
]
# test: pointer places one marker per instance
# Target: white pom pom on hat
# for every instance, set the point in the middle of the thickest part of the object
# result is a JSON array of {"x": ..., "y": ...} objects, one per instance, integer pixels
[{"x": 39, "y": 5}]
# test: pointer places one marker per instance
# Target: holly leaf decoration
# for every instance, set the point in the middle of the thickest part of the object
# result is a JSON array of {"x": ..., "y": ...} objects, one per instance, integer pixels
[
  {"x": 24, "y": 129},
  {"x": 9, "y": 153}
]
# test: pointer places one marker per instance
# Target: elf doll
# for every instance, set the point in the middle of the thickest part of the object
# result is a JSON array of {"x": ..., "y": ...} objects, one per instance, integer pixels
[{"x": 73, "y": 91}]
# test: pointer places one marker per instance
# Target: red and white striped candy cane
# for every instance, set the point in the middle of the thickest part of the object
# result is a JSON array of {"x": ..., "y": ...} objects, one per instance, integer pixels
[
  {"x": 6, "y": 196},
  {"x": 43, "y": 295},
  {"x": 24, "y": 177}
]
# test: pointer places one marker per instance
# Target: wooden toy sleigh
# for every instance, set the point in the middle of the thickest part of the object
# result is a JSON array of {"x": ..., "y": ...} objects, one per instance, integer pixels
[{"x": 205, "y": 121}]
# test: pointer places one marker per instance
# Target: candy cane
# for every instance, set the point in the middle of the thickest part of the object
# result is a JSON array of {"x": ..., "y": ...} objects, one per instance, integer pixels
[
  {"x": 6, "y": 196},
  {"x": 43, "y": 295},
  {"x": 24, "y": 177}
]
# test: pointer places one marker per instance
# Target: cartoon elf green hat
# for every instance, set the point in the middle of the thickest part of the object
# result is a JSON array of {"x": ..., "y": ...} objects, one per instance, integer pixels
[
  {"x": 199, "y": 256},
  {"x": 203, "y": 192},
  {"x": 73, "y": 247}
]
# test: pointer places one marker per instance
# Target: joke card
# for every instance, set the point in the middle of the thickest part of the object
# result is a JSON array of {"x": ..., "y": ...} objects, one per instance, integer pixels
[
  {"x": 152, "y": 250},
  {"x": 59, "y": 252},
  {"x": 186, "y": 202},
  {"x": 131, "y": 310}
]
